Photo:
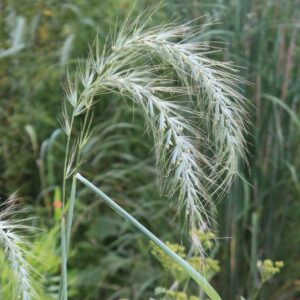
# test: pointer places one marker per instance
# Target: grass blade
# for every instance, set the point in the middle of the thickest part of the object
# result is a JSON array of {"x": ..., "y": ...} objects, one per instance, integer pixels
[
  {"x": 283, "y": 105},
  {"x": 199, "y": 279}
]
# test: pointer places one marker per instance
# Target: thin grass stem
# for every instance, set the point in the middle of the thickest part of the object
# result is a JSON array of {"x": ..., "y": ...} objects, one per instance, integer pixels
[
  {"x": 63, "y": 295},
  {"x": 70, "y": 214}
]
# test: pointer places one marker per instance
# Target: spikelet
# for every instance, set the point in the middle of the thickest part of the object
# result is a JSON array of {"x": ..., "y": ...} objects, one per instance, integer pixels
[{"x": 10, "y": 242}]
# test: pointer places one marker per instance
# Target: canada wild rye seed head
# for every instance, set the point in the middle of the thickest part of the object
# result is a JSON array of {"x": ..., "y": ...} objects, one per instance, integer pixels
[{"x": 190, "y": 103}]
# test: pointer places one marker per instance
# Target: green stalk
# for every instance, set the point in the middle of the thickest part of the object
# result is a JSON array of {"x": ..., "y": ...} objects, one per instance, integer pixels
[
  {"x": 199, "y": 279},
  {"x": 73, "y": 188},
  {"x": 65, "y": 164},
  {"x": 63, "y": 291},
  {"x": 254, "y": 239},
  {"x": 70, "y": 214},
  {"x": 66, "y": 228},
  {"x": 256, "y": 293}
]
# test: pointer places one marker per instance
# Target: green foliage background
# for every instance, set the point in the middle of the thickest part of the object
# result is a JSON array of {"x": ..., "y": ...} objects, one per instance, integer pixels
[{"x": 39, "y": 40}]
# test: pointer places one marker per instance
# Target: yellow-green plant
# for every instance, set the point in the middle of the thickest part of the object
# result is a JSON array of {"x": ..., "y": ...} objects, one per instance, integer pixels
[
  {"x": 205, "y": 265},
  {"x": 267, "y": 269}
]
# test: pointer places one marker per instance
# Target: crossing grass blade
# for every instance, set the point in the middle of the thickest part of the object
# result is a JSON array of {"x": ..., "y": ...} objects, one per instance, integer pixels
[{"x": 199, "y": 279}]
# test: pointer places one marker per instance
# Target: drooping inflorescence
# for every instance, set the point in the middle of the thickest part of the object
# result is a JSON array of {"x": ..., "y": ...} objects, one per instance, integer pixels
[{"x": 190, "y": 105}]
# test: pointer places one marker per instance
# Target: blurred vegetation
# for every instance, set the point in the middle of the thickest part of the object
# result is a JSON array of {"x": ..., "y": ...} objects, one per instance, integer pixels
[{"x": 40, "y": 40}]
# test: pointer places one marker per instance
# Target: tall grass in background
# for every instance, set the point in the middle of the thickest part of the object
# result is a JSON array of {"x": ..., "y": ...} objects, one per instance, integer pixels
[{"x": 261, "y": 218}]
